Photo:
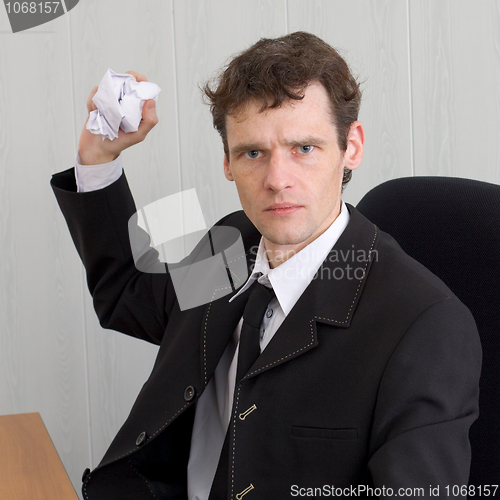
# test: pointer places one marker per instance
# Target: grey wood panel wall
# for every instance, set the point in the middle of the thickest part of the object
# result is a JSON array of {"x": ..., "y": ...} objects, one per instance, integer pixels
[
  {"x": 455, "y": 62},
  {"x": 431, "y": 107},
  {"x": 42, "y": 344}
]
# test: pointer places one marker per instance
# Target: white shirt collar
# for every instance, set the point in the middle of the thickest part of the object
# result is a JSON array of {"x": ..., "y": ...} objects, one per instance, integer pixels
[{"x": 290, "y": 279}]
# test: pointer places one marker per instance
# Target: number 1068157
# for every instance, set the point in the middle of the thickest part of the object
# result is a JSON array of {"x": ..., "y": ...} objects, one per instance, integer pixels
[
  {"x": 485, "y": 490},
  {"x": 33, "y": 7}
]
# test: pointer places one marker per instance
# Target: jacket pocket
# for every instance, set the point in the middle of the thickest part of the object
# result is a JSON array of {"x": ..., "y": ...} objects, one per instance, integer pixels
[{"x": 323, "y": 433}]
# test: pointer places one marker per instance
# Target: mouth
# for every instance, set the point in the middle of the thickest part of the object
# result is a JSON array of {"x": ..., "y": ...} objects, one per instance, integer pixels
[{"x": 282, "y": 208}]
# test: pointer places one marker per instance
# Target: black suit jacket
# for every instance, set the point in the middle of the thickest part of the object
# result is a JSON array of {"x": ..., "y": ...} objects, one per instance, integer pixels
[{"x": 371, "y": 380}]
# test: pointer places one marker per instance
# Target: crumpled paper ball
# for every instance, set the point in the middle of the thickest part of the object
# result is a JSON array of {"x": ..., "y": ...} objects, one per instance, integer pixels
[{"x": 119, "y": 102}]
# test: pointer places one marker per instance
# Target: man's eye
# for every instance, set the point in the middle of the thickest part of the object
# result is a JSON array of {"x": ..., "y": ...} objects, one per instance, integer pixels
[
  {"x": 306, "y": 149},
  {"x": 253, "y": 154}
]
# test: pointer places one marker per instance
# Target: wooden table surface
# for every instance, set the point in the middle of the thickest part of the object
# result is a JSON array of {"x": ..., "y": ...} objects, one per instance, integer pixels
[{"x": 30, "y": 468}]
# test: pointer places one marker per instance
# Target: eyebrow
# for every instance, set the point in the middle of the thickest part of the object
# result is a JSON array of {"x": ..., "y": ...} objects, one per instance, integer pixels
[
  {"x": 243, "y": 148},
  {"x": 308, "y": 140},
  {"x": 259, "y": 146}
]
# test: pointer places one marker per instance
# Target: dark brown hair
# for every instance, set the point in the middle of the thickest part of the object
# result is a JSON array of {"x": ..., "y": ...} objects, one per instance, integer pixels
[{"x": 275, "y": 70}]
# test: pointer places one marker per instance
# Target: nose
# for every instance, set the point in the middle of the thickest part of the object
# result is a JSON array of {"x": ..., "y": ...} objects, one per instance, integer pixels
[{"x": 279, "y": 175}]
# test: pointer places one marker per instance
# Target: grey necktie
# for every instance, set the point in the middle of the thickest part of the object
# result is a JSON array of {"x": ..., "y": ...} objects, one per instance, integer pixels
[{"x": 249, "y": 350}]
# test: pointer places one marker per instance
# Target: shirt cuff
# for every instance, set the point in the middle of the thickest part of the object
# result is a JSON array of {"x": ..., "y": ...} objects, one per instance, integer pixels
[{"x": 94, "y": 177}]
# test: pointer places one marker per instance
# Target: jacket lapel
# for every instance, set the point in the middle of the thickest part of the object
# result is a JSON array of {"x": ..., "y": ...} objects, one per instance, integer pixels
[
  {"x": 295, "y": 336},
  {"x": 341, "y": 278}
]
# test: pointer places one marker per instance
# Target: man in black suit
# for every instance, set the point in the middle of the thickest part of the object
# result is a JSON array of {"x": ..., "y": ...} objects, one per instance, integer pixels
[{"x": 367, "y": 378}]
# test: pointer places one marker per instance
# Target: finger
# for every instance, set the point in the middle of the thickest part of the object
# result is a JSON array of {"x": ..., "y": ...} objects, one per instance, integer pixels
[
  {"x": 90, "y": 104},
  {"x": 149, "y": 120},
  {"x": 137, "y": 76},
  {"x": 149, "y": 116}
]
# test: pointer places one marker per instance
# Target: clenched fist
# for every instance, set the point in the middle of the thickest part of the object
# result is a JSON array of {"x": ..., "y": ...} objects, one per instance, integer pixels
[{"x": 94, "y": 150}]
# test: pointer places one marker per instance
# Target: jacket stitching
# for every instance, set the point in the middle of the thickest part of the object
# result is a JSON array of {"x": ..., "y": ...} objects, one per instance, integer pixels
[
  {"x": 205, "y": 335},
  {"x": 359, "y": 287},
  {"x": 144, "y": 479},
  {"x": 153, "y": 435},
  {"x": 85, "y": 489},
  {"x": 235, "y": 411},
  {"x": 284, "y": 357}
]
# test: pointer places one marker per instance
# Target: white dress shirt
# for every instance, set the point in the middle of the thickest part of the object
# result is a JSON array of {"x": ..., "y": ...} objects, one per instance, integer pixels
[{"x": 289, "y": 280}]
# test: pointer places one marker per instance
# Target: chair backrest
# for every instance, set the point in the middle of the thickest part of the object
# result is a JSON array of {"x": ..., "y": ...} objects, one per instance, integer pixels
[{"x": 452, "y": 226}]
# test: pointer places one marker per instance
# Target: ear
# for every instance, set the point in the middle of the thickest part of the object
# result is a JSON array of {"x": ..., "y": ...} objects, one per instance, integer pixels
[
  {"x": 355, "y": 146},
  {"x": 227, "y": 169}
]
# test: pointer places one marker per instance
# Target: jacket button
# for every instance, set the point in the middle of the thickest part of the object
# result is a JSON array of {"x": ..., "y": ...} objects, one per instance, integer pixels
[
  {"x": 86, "y": 472},
  {"x": 141, "y": 439},
  {"x": 189, "y": 393}
]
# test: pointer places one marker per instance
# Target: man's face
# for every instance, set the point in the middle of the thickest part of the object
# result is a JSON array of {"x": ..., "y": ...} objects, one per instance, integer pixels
[{"x": 288, "y": 168}]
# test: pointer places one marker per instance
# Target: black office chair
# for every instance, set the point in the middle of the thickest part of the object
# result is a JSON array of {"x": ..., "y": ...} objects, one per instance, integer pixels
[{"x": 452, "y": 226}]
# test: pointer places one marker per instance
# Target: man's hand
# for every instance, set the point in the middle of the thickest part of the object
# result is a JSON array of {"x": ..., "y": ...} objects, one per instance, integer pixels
[{"x": 94, "y": 151}]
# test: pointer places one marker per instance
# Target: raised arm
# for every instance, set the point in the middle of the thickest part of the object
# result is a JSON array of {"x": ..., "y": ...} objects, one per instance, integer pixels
[{"x": 125, "y": 299}]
